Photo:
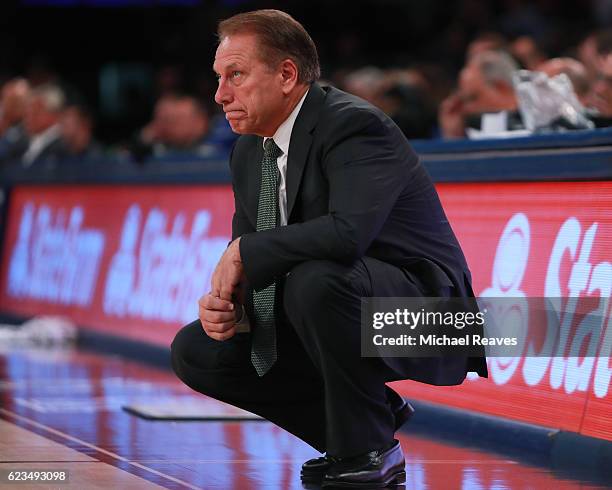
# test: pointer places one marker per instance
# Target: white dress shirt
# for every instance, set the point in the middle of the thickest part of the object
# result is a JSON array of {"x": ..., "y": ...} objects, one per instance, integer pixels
[
  {"x": 39, "y": 142},
  {"x": 282, "y": 137}
]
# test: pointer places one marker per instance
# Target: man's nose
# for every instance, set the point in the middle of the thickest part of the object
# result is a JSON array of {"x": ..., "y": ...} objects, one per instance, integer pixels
[{"x": 223, "y": 95}]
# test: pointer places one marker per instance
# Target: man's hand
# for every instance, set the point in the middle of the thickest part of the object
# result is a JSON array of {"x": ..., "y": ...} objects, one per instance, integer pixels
[
  {"x": 229, "y": 273},
  {"x": 218, "y": 317},
  {"x": 450, "y": 117}
]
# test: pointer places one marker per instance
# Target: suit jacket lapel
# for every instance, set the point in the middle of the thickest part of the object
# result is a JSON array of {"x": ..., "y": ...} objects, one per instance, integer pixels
[
  {"x": 254, "y": 180},
  {"x": 301, "y": 138}
]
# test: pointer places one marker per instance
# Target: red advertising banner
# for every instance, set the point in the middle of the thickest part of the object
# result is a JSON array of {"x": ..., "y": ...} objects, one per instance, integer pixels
[
  {"x": 536, "y": 240},
  {"x": 134, "y": 260},
  {"x": 130, "y": 260}
]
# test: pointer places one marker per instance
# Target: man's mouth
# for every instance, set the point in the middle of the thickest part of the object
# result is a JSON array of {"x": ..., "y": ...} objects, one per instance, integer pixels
[{"x": 237, "y": 114}]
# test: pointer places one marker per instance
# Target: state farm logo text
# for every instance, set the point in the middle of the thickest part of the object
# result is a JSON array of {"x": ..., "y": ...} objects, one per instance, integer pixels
[{"x": 579, "y": 357}]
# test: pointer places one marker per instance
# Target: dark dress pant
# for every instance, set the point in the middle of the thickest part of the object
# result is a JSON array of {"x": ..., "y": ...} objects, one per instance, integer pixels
[{"x": 320, "y": 388}]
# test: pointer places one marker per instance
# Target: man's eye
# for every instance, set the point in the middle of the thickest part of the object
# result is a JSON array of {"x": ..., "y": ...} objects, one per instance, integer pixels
[{"x": 236, "y": 74}]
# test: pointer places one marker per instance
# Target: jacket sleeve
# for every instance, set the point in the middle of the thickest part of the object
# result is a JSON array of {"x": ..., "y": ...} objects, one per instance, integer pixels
[
  {"x": 240, "y": 222},
  {"x": 366, "y": 173},
  {"x": 240, "y": 226}
]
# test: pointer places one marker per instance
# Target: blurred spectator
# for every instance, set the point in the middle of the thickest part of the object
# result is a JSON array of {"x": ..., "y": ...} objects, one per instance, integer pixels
[
  {"x": 576, "y": 72},
  {"x": 179, "y": 127},
  {"x": 591, "y": 50},
  {"x": 154, "y": 133},
  {"x": 41, "y": 123},
  {"x": 189, "y": 127},
  {"x": 527, "y": 53},
  {"x": 157, "y": 129},
  {"x": 587, "y": 54},
  {"x": 408, "y": 101},
  {"x": 367, "y": 83},
  {"x": 13, "y": 100},
  {"x": 485, "y": 86},
  {"x": 601, "y": 94},
  {"x": 77, "y": 133}
]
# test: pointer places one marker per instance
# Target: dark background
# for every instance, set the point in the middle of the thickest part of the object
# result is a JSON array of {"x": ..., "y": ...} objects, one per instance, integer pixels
[{"x": 92, "y": 48}]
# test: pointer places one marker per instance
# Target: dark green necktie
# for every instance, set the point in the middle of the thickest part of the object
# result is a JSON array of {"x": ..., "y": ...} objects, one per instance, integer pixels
[{"x": 263, "y": 347}]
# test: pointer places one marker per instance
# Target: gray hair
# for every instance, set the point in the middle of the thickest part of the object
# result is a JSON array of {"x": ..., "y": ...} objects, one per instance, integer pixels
[
  {"x": 496, "y": 66},
  {"x": 280, "y": 36},
  {"x": 52, "y": 96}
]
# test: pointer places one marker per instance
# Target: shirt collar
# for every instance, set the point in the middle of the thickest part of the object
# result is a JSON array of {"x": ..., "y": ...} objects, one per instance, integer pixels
[
  {"x": 48, "y": 135},
  {"x": 282, "y": 137}
]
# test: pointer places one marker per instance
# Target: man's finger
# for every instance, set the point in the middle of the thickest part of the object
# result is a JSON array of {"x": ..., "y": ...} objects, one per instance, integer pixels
[
  {"x": 209, "y": 302},
  {"x": 216, "y": 327},
  {"x": 226, "y": 293},
  {"x": 222, "y": 335},
  {"x": 213, "y": 316}
]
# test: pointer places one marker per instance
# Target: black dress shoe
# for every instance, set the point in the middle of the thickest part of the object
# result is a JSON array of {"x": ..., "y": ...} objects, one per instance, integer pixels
[
  {"x": 376, "y": 469},
  {"x": 314, "y": 469}
]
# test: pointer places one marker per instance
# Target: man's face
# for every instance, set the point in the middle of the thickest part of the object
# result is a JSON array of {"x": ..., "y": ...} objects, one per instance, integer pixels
[
  {"x": 188, "y": 125},
  {"x": 76, "y": 131},
  {"x": 473, "y": 90},
  {"x": 37, "y": 118},
  {"x": 249, "y": 90},
  {"x": 13, "y": 99},
  {"x": 477, "y": 95}
]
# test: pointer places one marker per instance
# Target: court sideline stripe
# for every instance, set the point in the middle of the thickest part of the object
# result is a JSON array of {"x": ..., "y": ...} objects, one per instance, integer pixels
[{"x": 96, "y": 448}]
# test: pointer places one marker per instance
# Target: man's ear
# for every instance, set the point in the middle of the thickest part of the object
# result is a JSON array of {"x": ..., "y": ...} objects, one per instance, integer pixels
[{"x": 289, "y": 75}]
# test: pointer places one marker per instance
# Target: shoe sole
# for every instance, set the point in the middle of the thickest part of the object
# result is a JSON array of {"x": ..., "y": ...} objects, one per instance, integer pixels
[
  {"x": 398, "y": 478},
  {"x": 312, "y": 477}
]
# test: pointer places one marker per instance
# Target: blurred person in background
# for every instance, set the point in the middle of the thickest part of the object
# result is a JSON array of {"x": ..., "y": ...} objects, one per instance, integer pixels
[
  {"x": 77, "y": 133},
  {"x": 586, "y": 53},
  {"x": 367, "y": 82},
  {"x": 592, "y": 49},
  {"x": 188, "y": 129},
  {"x": 179, "y": 127},
  {"x": 576, "y": 72},
  {"x": 158, "y": 128},
  {"x": 407, "y": 100},
  {"x": 526, "y": 51},
  {"x": 42, "y": 124},
  {"x": 485, "y": 86},
  {"x": 149, "y": 139},
  {"x": 600, "y": 97},
  {"x": 403, "y": 94},
  {"x": 13, "y": 100}
]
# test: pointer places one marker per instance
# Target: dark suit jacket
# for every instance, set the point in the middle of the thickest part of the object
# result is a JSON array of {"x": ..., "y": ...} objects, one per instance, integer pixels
[
  {"x": 13, "y": 143},
  {"x": 355, "y": 187},
  {"x": 55, "y": 151}
]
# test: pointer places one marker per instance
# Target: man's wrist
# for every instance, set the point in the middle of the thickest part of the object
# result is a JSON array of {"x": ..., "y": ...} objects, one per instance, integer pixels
[{"x": 236, "y": 257}]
